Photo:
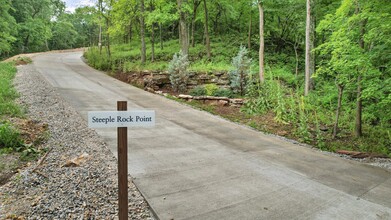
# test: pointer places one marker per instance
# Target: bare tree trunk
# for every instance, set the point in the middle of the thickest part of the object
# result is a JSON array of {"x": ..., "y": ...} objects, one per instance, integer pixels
[
  {"x": 358, "y": 126},
  {"x": 249, "y": 30},
  {"x": 312, "y": 44},
  {"x": 297, "y": 59},
  {"x": 142, "y": 32},
  {"x": 153, "y": 43},
  {"x": 100, "y": 26},
  {"x": 108, "y": 37},
  {"x": 184, "y": 37},
  {"x": 307, "y": 49},
  {"x": 130, "y": 32},
  {"x": 261, "y": 44},
  {"x": 152, "y": 7},
  {"x": 340, "y": 93},
  {"x": 358, "y": 123},
  {"x": 208, "y": 52},
  {"x": 160, "y": 36},
  {"x": 196, "y": 3}
]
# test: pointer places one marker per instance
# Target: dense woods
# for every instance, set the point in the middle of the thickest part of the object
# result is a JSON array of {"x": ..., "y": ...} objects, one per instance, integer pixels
[{"x": 320, "y": 66}]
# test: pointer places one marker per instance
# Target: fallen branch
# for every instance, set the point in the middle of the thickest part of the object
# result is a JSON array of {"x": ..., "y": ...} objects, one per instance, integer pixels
[
  {"x": 41, "y": 160},
  {"x": 357, "y": 154}
]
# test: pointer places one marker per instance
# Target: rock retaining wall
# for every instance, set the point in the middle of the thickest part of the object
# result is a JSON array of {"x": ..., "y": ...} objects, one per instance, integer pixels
[
  {"x": 157, "y": 80},
  {"x": 220, "y": 101}
]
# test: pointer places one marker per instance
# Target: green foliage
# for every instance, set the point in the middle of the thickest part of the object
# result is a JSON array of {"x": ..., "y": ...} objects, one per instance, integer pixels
[
  {"x": 7, "y": 27},
  {"x": 222, "y": 92},
  {"x": 7, "y": 93},
  {"x": 64, "y": 35},
  {"x": 211, "y": 89},
  {"x": 97, "y": 59},
  {"x": 198, "y": 91},
  {"x": 303, "y": 126},
  {"x": 9, "y": 137},
  {"x": 179, "y": 74},
  {"x": 238, "y": 76},
  {"x": 257, "y": 99}
]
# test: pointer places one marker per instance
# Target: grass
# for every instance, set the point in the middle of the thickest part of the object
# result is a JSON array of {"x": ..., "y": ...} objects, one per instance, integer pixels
[
  {"x": 126, "y": 57},
  {"x": 8, "y": 94}
]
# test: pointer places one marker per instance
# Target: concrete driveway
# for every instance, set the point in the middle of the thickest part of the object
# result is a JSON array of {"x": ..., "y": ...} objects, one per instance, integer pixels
[{"x": 193, "y": 165}]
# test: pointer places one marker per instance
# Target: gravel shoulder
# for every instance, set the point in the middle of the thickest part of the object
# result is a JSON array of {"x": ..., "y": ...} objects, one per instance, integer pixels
[{"x": 53, "y": 190}]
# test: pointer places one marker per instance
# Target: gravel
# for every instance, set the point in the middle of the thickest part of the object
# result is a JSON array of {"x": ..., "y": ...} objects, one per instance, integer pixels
[{"x": 55, "y": 191}]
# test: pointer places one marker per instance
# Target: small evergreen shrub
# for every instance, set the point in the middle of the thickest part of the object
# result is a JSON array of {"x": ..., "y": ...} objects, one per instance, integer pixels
[
  {"x": 177, "y": 69},
  {"x": 198, "y": 91},
  {"x": 211, "y": 89},
  {"x": 238, "y": 76}
]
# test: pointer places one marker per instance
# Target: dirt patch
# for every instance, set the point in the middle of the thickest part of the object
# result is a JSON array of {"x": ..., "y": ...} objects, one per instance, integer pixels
[{"x": 33, "y": 134}]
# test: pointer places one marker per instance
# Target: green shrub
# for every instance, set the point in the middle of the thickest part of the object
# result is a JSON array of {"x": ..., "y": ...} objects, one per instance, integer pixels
[
  {"x": 239, "y": 75},
  {"x": 211, "y": 89},
  {"x": 100, "y": 61},
  {"x": 9, "y": 137},
  {"x": 178, "y": 72},
  {"x": 221, "y": 92},
  {"x": 198, "y": 91}
]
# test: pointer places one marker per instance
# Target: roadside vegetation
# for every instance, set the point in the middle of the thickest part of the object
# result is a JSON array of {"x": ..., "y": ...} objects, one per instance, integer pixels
[
  {"x": 315, "y": 72},
  {"x": 19, "y": 137}
]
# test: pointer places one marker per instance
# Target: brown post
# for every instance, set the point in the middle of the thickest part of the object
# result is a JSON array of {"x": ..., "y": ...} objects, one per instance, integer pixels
[{"x": 122, "y": 166}]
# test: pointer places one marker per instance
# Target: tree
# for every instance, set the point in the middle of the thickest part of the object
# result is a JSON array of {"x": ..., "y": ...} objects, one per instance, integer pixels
[
  {"x": 142, "y": 33},
  {"x": 33, "y": 19},
  {"x": 64, "y": 36},
  {"x": 207, "y": 40},
  {"x": 261, "y": 42},
  {"x": 7, "y": 27},
  {"x": 183, "y": 34},
  {"x": 308, "y": 48},
  {"x": 196, "y": 3},
  {"x": 348, "y": 51}
]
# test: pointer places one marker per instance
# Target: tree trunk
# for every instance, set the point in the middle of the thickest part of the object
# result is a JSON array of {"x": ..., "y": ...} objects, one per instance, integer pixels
[
  {"x": 153, "y": 43},
  {"x": 358, "y": 127},
  {"x": 208, "y": 52},
  {"x": 261, "y": 44},
  {"x": 130, "y": 32},
  {"x": 108, "y": 37},
  {"x": 184, "y": 38},
  {"x": 249, "y": 31},
  {"x": 312, "y": 44},
  {"x": 142, "y": 32},
  {"x": 297, "y": 60},
  {"x": 152, "y": 35},
  {"x": 100, "y": 27},
  {"x": 196, "y": 3},
  {"x": 340, "y": 93},
  {"x": 307, "y": 49},
  {"x": 358, "y": 123},
  {"x": 160, "y": 36}
]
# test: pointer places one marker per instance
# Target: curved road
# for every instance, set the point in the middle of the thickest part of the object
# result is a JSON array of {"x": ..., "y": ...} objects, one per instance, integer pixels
[{"x": 193, "y": 165}]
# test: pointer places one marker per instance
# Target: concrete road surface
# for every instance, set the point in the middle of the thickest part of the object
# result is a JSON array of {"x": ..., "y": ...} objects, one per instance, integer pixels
[{"x": 194, "y": 165}]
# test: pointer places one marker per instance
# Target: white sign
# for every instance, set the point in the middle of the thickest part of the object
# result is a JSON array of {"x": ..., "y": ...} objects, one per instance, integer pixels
[{"x": 106, "y": 119}]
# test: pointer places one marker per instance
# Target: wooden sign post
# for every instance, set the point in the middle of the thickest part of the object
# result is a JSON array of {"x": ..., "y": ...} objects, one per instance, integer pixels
[
  {"x": 122, "y": 133},
  {"x": 122, "y": 119}
]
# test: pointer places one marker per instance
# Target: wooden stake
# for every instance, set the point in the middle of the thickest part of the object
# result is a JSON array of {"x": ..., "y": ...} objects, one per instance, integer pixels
[{"x": 122, "y": 166}]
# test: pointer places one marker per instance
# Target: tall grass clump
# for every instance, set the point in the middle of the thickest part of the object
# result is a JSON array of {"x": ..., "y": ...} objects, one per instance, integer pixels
[{"x": 8, "y": 94}]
